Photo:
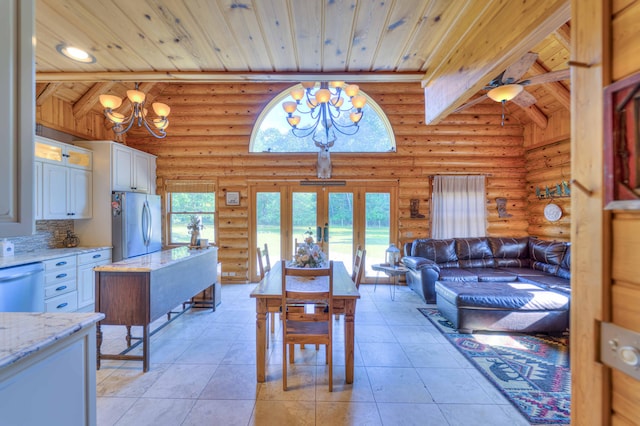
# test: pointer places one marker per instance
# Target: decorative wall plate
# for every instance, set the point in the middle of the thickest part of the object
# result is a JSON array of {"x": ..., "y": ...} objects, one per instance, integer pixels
[{"x": 552, "y": 212}]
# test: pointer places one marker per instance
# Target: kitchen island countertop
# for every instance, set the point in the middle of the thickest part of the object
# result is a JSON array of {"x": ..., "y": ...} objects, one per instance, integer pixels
[
  {"x": 154, "y": 261},
  {"x": 23, "y": 334}
]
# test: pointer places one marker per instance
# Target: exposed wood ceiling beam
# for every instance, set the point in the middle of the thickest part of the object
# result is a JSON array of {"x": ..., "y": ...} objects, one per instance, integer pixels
[
  {"x": 228, "y": 77},
  {"x": 537, "y": 116},
  {"x": 555, "y": 88},
  {"x": 563, "y": 35},
  {"x": 46, "y": 93},
  {"x": 89, "y": 99},
  {"x": 464, "y": 71}
]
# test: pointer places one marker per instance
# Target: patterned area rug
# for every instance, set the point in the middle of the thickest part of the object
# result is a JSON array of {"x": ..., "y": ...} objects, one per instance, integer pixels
[{"x": 532, "y": 371}]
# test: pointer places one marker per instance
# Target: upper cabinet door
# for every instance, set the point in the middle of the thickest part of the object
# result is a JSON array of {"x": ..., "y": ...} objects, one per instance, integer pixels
[
  {"x": 17, "y": 119},
  {"x": 122, "y": 166},
  {"x": 50, "y": 151},
  {"x": 141, "y": 172}
]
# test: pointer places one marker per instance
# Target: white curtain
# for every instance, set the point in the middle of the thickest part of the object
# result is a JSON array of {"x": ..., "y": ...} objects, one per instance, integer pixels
[{"x": 458, "y": 207}]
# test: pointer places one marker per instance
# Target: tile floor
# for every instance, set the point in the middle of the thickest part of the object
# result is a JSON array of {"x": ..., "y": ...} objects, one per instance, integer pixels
[{"x": 203, "y": 373}]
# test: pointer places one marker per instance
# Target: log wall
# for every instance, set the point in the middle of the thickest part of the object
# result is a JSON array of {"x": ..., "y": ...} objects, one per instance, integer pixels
[
  {"x": 548, "y": 162},
  {"x": 209, "y": 136}
]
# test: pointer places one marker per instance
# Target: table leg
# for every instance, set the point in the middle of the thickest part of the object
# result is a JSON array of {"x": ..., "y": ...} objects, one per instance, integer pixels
[
  {"x": 261, "y": 337},
  {"x": 349, "y": 337},
  {"x": 393, "y": 284},
  {"x": 98, "y": 344},
  {"x": 145, "y": 348}
]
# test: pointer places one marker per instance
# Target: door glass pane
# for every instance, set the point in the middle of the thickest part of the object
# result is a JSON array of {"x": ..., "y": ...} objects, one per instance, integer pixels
[
  {"x": 304, "y": 215},
  {"x": 377, "y": 233},
  {"x": 340, "y": 231},
  {"x": 268, "y": 228}
]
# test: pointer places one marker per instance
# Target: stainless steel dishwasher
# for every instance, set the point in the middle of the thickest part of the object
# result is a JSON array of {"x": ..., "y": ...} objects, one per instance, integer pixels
[{"x": 22, "y": 288}]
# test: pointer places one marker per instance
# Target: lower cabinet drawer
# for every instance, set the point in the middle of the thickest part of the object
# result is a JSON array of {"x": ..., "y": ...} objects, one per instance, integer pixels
[
  {"x": 64, "y": 303},
  {"x": 60, "y": 288},
  {"x": 94, "y": 256}
]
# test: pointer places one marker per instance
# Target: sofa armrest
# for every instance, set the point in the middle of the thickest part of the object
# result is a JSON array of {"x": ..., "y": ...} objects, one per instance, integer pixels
[{"x": 418, "y": 263}]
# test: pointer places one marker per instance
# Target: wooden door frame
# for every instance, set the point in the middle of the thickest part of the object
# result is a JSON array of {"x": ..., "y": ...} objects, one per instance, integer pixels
[
  {"x": 357, "y": 186},
  {"x": 590, "y": 384}
]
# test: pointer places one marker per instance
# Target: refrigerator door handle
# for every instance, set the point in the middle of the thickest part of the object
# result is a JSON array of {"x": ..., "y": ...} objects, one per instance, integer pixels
[
  {"x": 149, "y": 223},
  {"x": 145, "y": 223}
]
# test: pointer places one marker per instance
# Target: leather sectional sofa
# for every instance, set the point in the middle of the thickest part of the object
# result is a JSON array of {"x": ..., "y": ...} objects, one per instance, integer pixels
[{"x": 490, "y": 283}]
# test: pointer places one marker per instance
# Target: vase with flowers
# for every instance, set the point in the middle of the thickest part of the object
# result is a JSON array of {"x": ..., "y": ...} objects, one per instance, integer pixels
[
  {"x": 309, "y": 254},
  {"x": 194, "y": 226}
]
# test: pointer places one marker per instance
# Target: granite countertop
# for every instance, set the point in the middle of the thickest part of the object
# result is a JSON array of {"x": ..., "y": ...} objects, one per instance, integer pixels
[
  {"x": 154, "y": 261},
  {"x": 23, "y": 333},
  {"x": 45, "y": 254}
]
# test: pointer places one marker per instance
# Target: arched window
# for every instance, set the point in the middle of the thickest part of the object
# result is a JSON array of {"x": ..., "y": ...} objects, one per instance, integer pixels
[{"x": 272, "y": 133}]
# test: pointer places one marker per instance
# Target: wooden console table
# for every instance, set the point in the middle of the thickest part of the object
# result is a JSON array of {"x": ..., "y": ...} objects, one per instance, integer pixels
[{"x": 139, "y": 290}]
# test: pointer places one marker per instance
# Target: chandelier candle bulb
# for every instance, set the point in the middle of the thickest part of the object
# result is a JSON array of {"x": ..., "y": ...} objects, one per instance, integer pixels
[
  {"x": 351, "y": 90},
  {"x": 110, "y": 101},
  {"x": 136, "y": 96},
  {"x": 323, "y": 96},
  {"x": 297, "y": 94},
  {"x": 161, "y": 109},
  {"x": 289, "y": 107},
  {"x": 358, "y": 101}
]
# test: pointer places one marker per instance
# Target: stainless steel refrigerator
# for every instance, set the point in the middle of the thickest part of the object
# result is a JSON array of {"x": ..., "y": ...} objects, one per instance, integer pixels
[{"x": 137, "y": 226}]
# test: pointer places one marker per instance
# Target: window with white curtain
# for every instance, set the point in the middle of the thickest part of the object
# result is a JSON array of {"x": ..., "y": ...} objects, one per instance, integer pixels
[{"x": 458, "y": 207}]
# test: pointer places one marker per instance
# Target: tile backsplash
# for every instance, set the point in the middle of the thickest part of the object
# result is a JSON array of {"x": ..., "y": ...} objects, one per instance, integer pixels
[{"x": 49, "y": 234}]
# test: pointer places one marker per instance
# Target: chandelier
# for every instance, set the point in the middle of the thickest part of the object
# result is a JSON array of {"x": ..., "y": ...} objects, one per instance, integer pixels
[
  {"x": 324, "y": 108},
  {"x": 138, "y": 115}
]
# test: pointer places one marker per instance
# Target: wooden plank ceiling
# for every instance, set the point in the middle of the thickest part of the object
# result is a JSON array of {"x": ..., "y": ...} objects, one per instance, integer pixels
[{"x": 452, "y": 47}]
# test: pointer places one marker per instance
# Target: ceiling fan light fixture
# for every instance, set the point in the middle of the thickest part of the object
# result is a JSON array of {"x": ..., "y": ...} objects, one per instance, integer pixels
[{"x": 505, "y": 92}]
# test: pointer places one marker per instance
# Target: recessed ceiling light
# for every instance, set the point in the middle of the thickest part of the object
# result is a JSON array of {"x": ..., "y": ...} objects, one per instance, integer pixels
[{"x": 76, "y": 54}]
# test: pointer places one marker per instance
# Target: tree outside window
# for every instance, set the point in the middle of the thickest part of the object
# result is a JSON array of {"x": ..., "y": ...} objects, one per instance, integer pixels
[{"x": 183, "y": 205}]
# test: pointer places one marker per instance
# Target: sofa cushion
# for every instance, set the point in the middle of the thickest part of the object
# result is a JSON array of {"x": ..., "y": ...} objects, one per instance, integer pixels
[
  {"x": 564, "y": 271},
  {"x": 525, "y": 272},
  {"x": 513, "y": 296},
  {"x": 510, "y": 252},
  {"x": 456, "y": 274},
  {"x": 474, "y": 253},
  {"x": 546, "y": 255},
  {"x": 548, "y": 281},
  {"x": 443, "y": 252},
  {"x": 492, "y": 274}
]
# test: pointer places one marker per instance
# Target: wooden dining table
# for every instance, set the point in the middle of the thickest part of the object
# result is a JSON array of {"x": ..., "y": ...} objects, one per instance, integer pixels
[{"x": 268, "y": 295}]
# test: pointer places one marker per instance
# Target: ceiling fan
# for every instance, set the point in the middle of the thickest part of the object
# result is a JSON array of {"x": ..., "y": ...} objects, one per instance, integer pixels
[{"x": 508, "y": 87}]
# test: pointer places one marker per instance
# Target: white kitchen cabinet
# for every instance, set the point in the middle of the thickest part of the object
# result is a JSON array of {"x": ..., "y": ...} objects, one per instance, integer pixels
[
  {"x": 131, "y": 170},
  {"x": 17, "y": 108},
  {"x": 60, "y": 284},
  {"x": 37, "y": 176},
  {"x": 66, "y": 192},
  {"x": 54, "y": 152},
  {"x": 113, "y": 170},
  {"x": 53, "y": 378},
  {"x": 86, "y": 277}
]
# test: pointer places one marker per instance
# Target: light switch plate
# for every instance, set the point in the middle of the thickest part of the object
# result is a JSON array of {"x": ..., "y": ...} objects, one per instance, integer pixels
[{"x": 620, "y": 349}]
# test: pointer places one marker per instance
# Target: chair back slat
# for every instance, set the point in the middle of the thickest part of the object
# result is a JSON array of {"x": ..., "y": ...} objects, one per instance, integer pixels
[
  {"x": 264, "y": 264},
  {"x": 358, "y": 266}
]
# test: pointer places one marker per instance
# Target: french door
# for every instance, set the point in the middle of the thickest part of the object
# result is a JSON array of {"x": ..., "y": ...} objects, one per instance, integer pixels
[{"x": 339, "y": 217}]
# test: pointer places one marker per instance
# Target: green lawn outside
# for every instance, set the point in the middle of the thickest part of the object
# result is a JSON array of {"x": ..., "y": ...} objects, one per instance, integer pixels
[{"x": 377, "y": 242}]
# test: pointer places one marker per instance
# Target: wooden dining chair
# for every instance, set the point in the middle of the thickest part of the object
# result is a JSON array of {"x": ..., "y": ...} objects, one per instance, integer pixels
[
  {"x": 264, "y": 267},
  {"x": 304, "y": 286},
  {"x": 358, "y": 266}
]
